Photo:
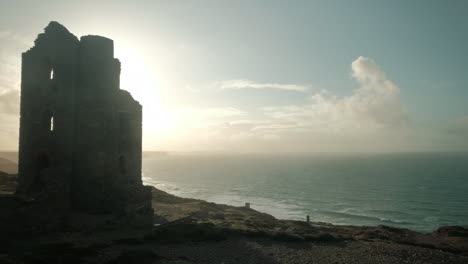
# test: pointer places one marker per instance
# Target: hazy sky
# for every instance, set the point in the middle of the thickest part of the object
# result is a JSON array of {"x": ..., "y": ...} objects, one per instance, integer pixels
[{"x": 270, "y": 75}]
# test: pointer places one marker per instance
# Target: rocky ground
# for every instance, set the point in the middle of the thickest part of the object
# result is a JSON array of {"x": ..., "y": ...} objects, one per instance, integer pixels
[{"x": 195, "y": 231}]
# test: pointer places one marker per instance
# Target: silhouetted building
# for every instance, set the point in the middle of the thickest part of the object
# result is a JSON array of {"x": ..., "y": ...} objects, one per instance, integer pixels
[{"x": 80, "y": 134}]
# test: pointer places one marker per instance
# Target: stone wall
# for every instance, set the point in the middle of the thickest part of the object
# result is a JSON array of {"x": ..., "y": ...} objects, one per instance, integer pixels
[{"x": 80, "y": 134}]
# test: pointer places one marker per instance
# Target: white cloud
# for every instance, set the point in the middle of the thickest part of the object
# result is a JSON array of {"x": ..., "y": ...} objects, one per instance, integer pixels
[
  {"x": 372, "y": 78},
  {"x": 370, "y": 119},
  {"x": 213, "y": 112},
  {"x": 246, "y": 84},
  {"x": 372, "y": 107}
]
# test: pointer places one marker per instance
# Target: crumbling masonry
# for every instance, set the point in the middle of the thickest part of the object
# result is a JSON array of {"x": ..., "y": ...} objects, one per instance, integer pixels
[{"x": 80, "y": 134}]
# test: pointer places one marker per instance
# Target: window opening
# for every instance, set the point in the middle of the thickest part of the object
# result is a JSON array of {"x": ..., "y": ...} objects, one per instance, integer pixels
[
  {"x": 52, "y": 75},
  {"x": 51, "y": 123},
  {"x": 48, "y": 121}
]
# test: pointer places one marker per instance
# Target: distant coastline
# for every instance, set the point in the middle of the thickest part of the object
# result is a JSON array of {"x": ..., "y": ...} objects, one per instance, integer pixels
[{"x": 192, "y": 175}]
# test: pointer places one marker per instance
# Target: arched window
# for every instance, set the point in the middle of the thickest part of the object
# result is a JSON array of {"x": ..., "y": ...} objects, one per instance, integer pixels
[
  {"x": 48, "y": 120},
  {"x": 51, "y": 128},
  {"x": 52, "y": 75}
]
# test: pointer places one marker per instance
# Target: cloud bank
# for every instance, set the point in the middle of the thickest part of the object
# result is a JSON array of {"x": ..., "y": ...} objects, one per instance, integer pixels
[
  {"x": 371, "y": 118},
  {"x": 373, "y": 106}
]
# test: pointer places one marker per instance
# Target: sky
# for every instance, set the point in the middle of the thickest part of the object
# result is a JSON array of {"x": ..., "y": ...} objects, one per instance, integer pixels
[{"x": 269, "y": 76}]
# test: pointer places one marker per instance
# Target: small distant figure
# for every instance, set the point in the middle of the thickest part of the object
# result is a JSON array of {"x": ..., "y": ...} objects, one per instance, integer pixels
[
  {"x": 308, "y": 219},
  {"x": 247, "y": 205}
]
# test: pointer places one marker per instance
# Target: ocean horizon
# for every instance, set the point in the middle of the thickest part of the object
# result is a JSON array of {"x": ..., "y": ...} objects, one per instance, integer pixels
[{"x": 418, "y": 191}]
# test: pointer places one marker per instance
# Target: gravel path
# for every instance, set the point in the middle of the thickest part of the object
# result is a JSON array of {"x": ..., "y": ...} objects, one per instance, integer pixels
[{"x": 249, "y": 251}]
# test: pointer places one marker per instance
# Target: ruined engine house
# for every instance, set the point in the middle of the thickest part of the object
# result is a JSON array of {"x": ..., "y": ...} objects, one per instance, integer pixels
[{"x": 80, "y": 134}]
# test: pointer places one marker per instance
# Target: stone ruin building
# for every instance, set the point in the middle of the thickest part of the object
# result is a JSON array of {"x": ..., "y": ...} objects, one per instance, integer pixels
[{"x": 80, "y": 134}]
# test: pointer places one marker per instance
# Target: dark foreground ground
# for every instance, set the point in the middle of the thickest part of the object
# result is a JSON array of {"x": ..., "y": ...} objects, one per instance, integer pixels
[{"x": 195, "y": 231}]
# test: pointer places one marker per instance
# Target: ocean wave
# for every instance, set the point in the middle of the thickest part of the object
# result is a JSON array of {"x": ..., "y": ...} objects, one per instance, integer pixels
[
  {"x": 385, "y": 211},
  {"x": 291, "y": 188},
  {"x": 364, "y": 218},
  {"x": 431, "y": 219}
]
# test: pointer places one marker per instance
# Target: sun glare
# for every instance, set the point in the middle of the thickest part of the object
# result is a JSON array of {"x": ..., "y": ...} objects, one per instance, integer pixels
[{"x": 143, "y": 82}]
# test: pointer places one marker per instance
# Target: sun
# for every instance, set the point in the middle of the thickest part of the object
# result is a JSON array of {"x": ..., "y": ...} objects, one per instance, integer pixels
[
  {"x": 135, "y": 75},
  {"x": 138, "y": 76}
]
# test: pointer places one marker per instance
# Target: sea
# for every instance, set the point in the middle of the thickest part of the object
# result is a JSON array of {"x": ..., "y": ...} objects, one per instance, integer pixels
[{"x": 418, "y": 191}]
